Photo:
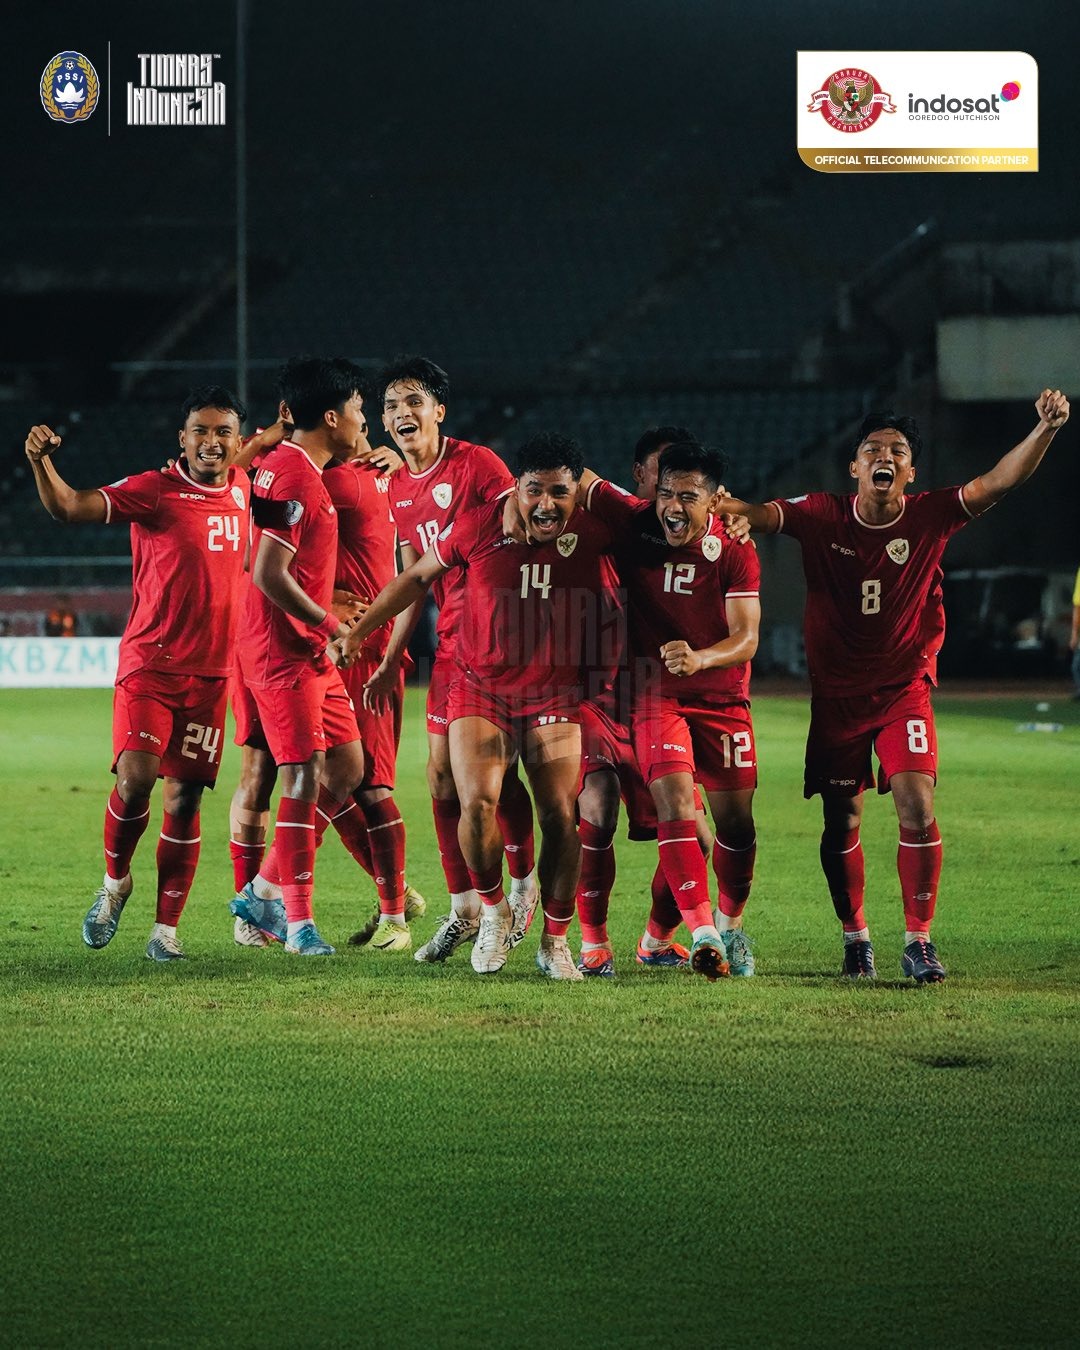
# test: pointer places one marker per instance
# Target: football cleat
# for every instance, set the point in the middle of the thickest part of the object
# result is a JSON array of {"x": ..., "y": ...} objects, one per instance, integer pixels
[
  {"x": 164, "y": 947},
  {"x": 600, "y": 961},
  {"x": 307, "y": 942},
  {"x": 364, "y": 935},
  {"x": 415, "y": 904},
  {"x": 391, "y": 937},
  {"x": 708, "y": 958},
  {"x": 492, "y": 945},
  {"x": 920, "y": 961},
  {"x": 737, "y": 947},
  {"x": 669, "y": 955},
  {"x": 523, "y": 901},
  {"x": 103, "y": 916},
  {"x": 859, "y": 961},
  {"x": 247, "y": 935},
  {"x": 268, "y": 916},
  {"x": 448, "y": 937},
  {"x": 554, "y": 959}
]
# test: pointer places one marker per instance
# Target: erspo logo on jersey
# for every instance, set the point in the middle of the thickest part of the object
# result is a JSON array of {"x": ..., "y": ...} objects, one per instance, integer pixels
[
  {"x": 70, "y": 87},
  {"x": 917, "y": 112}
]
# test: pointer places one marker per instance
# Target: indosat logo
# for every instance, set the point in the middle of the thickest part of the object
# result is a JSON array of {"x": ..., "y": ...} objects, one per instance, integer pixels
[{"x": 942, "y": 108}]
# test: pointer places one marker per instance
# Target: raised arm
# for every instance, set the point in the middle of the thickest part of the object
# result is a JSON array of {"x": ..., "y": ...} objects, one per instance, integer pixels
[
  {"x": 1022, "y": 460},
  {"x": 744, "y": 621},
  {"x": 60, "y": 499},
  {"x": 406, "y": 589},
  {"x": 383, "y": 680},
  {"x": 263, "y": 440}
]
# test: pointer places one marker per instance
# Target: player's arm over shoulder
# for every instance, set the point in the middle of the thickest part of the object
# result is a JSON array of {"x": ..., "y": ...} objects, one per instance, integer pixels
[{"x": 764, "y": 517}]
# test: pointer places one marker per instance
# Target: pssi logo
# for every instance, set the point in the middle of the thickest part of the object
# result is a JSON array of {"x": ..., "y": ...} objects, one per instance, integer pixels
[
  {"x": 69, "y": 87},
  {"x": 850, "y": 100}
]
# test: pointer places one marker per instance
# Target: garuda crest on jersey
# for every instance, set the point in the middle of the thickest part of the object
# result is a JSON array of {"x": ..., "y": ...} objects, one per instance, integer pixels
[
  {"x": 441, "y": 494},
  {"x": 711, "y": 547},
  {"x": 850, "y": 100},
  {"x": 566, "y": 543},
  {"x": 898, "y": 550}
]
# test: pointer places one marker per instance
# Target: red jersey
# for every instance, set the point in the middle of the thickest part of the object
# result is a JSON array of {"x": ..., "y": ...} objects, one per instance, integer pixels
[
  {"x": 463, "y": 477},
  {"x": 678, "y": 593},
  {"x": 367, "y": 537},
  {"x": 874, "y": 616},
  {"x": 290, "y": 504},
  {"x": 526, "y": 606},
  {"x": 187, "y": 556}
]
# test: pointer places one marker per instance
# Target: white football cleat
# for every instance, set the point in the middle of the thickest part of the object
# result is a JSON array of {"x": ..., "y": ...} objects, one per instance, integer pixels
[
  {"x": 554, "y": 959},
  {"x": 247, "y": 935},
  {"x": 492, "y": 941}
]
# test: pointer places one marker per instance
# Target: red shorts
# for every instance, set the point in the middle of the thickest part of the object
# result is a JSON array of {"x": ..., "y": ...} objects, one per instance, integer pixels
[
  {"x": 249, "y": 727},
  {"x": 179, "y": 718},
  {"x": 713, "y": 743},
  {"x": 605, "y": 744},
  {"x": 896, "y": 723},
  {"x": 313, "y": 713},
  {"x": 515, "y": 717},
  {"x": 444, "y": 670},
  {"x": 380, "y": 732}
]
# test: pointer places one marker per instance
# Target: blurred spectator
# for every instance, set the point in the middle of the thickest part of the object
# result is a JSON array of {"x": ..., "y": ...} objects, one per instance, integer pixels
[{"x": 60, "y": 621}]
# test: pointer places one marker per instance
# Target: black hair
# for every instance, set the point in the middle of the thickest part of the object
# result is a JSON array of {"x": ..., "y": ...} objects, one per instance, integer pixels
[
  {"x": 548, "y": 450},
  {"x": 212, "y": 396},
  {"x": 879, "y": 421},
  {"x": 311, "y": 385},
  {"x": 431, "y": 378},
  {"x": 692, "y": 457},
  {"x": 652, "y": 438}
]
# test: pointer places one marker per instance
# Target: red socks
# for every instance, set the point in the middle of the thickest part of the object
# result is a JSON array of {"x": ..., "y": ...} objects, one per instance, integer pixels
[
  {"x": 685, "y": 871},
  {"x": 842, "y": 862},
  {"x": 918, "y": 861},
  {"x": 386, "y": 836},
  {"x": 177, "y": 858},
  {"x": 447, "y": 814},
  {"x": 124, "y": 827},
  {"x": 294, "y": 850},
  {"x": 488, "y": 885},
  {"x": 515, "y": 817},
  {"x": 246, "y": 860},
  {"x": 664, "y": 917},
  {"x": 596, "y": 880},
  {"x": 733, "y": 863},
  {"x": 557, "y": 915}
]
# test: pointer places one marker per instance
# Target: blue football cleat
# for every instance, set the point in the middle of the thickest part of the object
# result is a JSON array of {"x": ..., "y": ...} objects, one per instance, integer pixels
[
  {"x": 598, "y": 962},
  {"x": 103, "y": 916},
  {"x": 671, "y": 955},
  {"x": 307, "y": 942},
  {"x": 268, "y": 916},
  {"x": 740, "y": 957}
]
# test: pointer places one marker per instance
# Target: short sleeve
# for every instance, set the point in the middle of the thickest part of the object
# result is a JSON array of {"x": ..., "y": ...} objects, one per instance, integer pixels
[
  {"x": 743, "y": 572},
  {"x": 135, "y": 498},
  {"x": 490, "y": 475},
  {"x": 612, "y": 505}
]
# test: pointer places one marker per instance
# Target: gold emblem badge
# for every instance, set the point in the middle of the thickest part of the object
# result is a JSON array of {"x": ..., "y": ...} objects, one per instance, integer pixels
[
  {"x": 711, "y": 547},
  {"x": 566, "y": 543},
  {"x": 898, "y": 550}
]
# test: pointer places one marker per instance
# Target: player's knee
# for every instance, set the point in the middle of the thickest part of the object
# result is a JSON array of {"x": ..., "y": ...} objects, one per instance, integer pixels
[{"x": 556, "y": 820}]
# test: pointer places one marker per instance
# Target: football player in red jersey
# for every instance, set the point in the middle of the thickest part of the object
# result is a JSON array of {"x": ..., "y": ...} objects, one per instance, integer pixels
[
  {"x": 188, "y": 529},
  {"x": 610, "y": 773},
  {"x": 531, "y": 578},
  {"x": 302, "y": 706},
  {"x": 694, "y": 615},
  {"x": 874, "y": 625},
  {"x": 442, "y": 478}
]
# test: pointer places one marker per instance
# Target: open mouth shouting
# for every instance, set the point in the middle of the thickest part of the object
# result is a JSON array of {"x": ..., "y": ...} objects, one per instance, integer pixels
[
  {"x": 676, "y": 527},
  {"x": 883, "y": 476},
  {"x": 545, "y": 524}
]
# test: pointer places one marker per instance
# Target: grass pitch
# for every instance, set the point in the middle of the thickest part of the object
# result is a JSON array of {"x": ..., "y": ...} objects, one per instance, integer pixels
[{"x": 247, "y": 1149}]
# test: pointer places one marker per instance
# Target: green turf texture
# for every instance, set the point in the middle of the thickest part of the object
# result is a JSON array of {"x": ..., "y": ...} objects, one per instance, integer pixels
[{"x": 248, "y": 1149}]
